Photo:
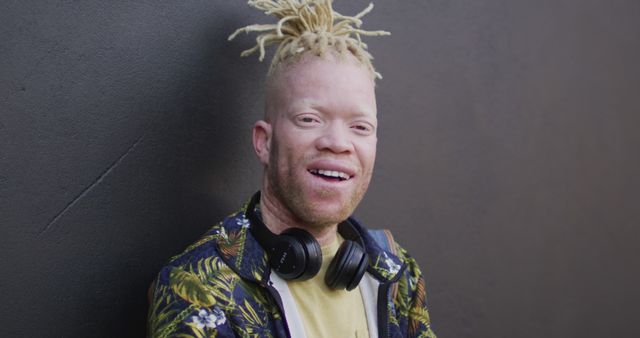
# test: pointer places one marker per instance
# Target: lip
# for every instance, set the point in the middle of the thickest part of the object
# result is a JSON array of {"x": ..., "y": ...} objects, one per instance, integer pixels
[{"x": 333, "y": 166}]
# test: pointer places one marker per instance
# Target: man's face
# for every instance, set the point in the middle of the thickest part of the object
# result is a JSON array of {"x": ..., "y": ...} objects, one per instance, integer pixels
[{"x": 320, "y": 139}]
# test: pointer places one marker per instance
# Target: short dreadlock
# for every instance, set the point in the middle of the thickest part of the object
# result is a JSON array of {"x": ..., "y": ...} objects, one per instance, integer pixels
[{"x": 309, "y": 26}]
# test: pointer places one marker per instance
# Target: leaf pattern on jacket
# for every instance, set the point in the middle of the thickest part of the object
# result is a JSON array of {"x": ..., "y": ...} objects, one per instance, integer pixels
[
  {"x": 188, "y": 286},
  {"x": 216, "y": 288}
]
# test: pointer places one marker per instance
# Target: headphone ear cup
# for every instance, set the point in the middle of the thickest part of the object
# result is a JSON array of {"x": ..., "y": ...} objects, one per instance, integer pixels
[
  {"x": 348, "y": 266},
  {"x": 311, "y": 253},
  {"x": 287, "y": 258}
]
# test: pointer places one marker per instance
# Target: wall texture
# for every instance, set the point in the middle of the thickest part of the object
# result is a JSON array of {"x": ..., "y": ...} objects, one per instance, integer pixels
[{"x": 508, "y": 156}]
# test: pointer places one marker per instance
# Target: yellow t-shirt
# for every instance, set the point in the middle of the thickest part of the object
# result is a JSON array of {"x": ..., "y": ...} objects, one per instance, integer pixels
[{"x": 326, "y": 312}]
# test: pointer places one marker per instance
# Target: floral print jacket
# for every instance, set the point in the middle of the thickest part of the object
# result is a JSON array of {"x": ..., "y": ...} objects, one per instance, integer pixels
[{"x": 219, "y": 287}]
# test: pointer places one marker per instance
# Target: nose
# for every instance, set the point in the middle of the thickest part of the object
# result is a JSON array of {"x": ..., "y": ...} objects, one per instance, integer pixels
[{"x": 335, "y": 138}]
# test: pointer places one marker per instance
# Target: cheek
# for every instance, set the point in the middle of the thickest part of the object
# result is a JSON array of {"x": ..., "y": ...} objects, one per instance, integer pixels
[
  {"x": 278, "y": 157},
  {"x": 295, "y": 146},
  {"x": 285, "y": 155},
  {"x": 368, "y": 154}
]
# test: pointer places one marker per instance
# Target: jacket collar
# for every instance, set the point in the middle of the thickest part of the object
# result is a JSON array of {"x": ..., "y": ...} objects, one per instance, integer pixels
[{"x": 239, "y": 249}]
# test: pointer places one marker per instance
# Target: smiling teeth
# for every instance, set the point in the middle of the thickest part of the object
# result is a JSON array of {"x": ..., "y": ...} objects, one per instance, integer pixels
[{"x": 330, "y": 173}]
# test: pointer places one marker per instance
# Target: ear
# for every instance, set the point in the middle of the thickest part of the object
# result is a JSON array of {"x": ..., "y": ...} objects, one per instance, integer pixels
[{"x": 262, "y": 132}]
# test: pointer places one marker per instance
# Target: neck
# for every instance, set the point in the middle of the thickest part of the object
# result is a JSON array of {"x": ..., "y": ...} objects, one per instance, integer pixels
[{"x": 278, "y": 218}]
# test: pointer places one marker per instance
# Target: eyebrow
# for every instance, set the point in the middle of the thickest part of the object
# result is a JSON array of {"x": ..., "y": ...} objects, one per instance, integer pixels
[{"x": 358, "y": 112}]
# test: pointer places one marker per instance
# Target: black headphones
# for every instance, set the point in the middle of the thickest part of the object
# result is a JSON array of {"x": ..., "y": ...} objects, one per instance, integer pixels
[{"x": 296, "y": 255}]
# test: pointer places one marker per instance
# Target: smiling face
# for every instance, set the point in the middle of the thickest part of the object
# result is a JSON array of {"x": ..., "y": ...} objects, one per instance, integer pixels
[{"x": 318, "y": 143}]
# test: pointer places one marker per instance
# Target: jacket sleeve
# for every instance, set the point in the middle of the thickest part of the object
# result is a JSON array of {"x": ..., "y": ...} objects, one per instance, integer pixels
[
  {"x": 182, "y": 306},
  {"x": 419, "y": 321}
]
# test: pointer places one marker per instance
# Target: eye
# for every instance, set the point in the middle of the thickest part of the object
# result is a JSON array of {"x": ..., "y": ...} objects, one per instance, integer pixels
[
  {"x": 363, "y": 128},
  {"x": 306, "y": 120}
]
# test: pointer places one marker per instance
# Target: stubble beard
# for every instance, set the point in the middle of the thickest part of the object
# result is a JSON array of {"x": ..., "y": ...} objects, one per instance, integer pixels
[{"x": 289, "y": 190}]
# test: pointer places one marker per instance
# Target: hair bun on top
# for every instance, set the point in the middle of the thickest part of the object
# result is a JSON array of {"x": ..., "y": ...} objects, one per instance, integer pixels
[{"x": 309, "y": 26}]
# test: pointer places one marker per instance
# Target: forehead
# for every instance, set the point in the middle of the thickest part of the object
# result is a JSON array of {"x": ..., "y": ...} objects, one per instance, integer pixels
[
  {"x": 338, "y": 82},
  {"x": 330, "y": 58}
]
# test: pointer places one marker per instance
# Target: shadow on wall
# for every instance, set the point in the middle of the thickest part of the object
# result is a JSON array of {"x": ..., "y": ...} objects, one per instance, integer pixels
[
  {"x": 113, "y": 148},
  {"x": 195, "y": 151},
  {"x": 213, "y": 128}
]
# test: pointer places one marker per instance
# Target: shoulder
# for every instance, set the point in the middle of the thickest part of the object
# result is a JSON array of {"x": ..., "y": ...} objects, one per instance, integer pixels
[
  {"x": 187, "y": 275},
  {"x": 182, "y": 300},
  {"x": 191, "y": 259},
  {"x": 385, "y": 241},
  {"x": 201, "y": 291},
  {"x": 409, "y": 293}
]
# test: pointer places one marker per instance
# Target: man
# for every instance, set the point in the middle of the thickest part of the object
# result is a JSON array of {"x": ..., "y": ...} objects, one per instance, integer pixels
[{"x": 293, "y": 263}]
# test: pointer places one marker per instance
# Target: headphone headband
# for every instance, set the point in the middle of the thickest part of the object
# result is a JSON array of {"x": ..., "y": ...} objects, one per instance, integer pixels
[
  {"x": 346, "y": 229},
  {"x": 258, "y": 229},
  {"x": 296, "y": 255}
]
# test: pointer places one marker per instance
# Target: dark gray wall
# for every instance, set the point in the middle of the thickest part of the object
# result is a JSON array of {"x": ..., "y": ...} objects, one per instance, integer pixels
[{"x": 508, "y": 156}]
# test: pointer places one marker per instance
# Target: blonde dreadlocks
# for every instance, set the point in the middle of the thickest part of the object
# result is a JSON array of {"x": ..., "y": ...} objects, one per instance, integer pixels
[{"x": 309, "y": 26}]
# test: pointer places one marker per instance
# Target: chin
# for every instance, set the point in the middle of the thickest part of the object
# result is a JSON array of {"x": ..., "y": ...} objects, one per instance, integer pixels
[
  {"x": 324, "y": 220},
  {"x": 324, "y": 214}
]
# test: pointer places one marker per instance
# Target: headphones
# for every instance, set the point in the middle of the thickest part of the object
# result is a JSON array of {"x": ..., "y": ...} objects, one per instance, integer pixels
[{"x": 296, "y": 255}]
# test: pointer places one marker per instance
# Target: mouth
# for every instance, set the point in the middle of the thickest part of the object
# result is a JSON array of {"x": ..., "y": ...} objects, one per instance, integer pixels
[{"x": 330, "y": 175}]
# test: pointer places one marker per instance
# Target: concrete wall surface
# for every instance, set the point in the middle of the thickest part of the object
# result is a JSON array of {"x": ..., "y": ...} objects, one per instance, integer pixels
[{"x": 508, "y": 156}]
